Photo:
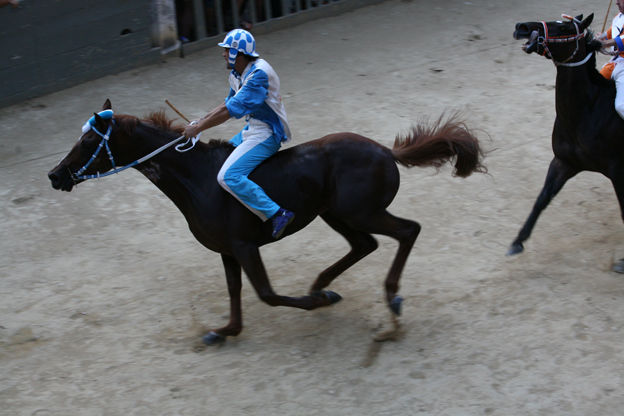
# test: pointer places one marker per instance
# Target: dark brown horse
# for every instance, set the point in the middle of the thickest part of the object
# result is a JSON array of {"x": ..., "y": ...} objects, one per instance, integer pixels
[
  {"x": 345, "y": 178},
  {"x": 588, "y": 133}
]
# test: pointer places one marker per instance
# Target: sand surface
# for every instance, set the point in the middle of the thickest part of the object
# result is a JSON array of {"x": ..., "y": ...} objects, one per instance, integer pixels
[{"x": 104, "y": 291}]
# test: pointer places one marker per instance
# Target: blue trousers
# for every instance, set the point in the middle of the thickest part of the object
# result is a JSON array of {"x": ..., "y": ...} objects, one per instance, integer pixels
[{"x": 233, "y": 176}]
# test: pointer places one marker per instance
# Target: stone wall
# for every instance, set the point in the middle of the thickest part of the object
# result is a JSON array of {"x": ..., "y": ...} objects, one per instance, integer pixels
[{"x": 50, "y": 45}]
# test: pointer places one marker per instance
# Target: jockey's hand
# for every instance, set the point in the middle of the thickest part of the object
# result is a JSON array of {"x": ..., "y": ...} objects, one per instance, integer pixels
[
  {"x": 601, "y": 36},
  {"x": 192, "y": 129},
  {"x": 607, "y": 45}
]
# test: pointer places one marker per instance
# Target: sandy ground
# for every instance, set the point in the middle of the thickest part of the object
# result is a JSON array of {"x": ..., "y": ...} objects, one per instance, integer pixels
[{"x": 104, "y": 291}]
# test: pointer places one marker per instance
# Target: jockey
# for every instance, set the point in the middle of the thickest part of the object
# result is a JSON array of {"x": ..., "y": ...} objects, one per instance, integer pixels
[
  {"x": 614, "y": 38},
  {"x": 254, "y": 94}
]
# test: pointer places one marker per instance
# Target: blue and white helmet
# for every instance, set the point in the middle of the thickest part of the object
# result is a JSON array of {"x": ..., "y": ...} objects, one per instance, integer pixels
[{"x": 239, "y": 40}]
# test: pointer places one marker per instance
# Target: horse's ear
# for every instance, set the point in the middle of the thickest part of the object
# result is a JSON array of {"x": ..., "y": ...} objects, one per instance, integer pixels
[
  {"x": 99, "y": 122},
  {"x": 107, "y": 105},
  {"x": 585, "y": 23}
]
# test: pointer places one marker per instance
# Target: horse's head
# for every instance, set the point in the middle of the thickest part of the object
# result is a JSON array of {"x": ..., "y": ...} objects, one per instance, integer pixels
[
  {"x": 558, "y": 40},
  {"x": 89, "y": 156}
]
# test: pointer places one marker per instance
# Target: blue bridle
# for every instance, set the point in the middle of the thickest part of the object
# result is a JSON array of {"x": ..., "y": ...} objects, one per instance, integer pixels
[
  {"x": 104, "y": 142},
  {"x": 90, "y": 125}
]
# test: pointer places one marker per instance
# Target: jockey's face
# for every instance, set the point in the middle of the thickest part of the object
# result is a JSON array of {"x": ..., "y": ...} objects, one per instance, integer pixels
[
  {"x": 620, "y": 4},
  {"x": 226, "y": 52}
]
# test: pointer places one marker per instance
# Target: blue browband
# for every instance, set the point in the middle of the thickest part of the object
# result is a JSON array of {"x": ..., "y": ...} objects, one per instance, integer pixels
[{"x": 106, "y": 115}]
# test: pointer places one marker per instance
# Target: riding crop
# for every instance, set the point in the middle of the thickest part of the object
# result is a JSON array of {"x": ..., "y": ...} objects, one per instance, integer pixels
[
  {"x": 606, "y": 17},
  {"x": 177, "y": 111}
]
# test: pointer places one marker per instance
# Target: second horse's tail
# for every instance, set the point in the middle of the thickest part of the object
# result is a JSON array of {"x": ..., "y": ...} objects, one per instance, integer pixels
[{"x": 438, "y": 144}]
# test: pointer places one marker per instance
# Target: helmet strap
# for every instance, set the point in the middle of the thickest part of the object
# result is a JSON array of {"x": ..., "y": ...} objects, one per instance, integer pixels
[{"x": 232, "y": 57}]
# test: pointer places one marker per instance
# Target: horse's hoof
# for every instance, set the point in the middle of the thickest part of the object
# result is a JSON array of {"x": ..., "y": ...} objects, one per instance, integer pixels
[
  {"x": 212, "y": 338},
  {"x": 333, "y": 297},
  {"x": 515, "y": 249},
  {"x": 618, "y": 267},
  {"x": 395, "y": 305}
]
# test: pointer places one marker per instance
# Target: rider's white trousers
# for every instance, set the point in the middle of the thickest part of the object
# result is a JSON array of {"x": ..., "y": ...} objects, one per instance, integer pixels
[{"x": 618, "y": 77}]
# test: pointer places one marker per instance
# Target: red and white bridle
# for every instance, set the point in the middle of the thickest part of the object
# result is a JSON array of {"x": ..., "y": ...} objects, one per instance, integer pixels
[{"x": 546, "y": 39}]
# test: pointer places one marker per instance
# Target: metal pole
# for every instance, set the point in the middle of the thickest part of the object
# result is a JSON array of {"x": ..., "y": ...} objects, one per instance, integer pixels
[
  {"x": 268, "y": 12},
  {"x": 200, "y": 20},
  {"x": 252, "y": 11},
  {"x": 219, "y": 12},
  {"x": 235, "y": 12}
]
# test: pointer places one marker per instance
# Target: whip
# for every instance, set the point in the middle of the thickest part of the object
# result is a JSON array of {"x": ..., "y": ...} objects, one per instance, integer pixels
[
  {"x": 606, "y": 17},
  {"x": 182, "y": 115}
]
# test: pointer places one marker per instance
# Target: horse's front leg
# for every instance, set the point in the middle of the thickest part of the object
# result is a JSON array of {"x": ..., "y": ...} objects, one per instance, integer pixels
[
  {"x": 558, "y": 174},
  {"x": 249, "y": 258},
  {"x": 234, "y": 283},
  {"x": 617, "y": 179}
]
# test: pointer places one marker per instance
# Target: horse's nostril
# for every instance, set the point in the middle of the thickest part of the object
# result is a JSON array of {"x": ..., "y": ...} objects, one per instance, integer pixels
[
  {"x": 53, "y": 177},
  {"x": 522, "y": 31}
]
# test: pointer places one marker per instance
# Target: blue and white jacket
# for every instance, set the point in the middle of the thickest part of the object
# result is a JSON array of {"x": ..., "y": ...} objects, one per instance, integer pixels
[{"x": 256, "y": 95}]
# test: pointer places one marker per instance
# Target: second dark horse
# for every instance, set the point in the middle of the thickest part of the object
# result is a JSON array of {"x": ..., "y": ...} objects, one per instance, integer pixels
[
  {"x": 345, "y": 178},
  {"x": 588, "y": 133}
]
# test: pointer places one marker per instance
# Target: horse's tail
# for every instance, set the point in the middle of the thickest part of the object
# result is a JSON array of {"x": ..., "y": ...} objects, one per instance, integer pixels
[{"x": 438, "y": 144}]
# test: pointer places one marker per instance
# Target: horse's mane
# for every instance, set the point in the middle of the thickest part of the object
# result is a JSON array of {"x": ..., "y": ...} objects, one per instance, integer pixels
[{"x": 159, "y": 121}]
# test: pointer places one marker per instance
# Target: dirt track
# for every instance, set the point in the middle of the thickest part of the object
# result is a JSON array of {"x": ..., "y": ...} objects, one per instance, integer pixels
[{"x": 104, "y": 291}]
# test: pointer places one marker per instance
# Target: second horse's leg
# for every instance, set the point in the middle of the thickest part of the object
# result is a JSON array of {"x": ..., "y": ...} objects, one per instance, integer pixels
[
  {"x": 618, "y": 184},
  {"x": 558, "y": 174}
]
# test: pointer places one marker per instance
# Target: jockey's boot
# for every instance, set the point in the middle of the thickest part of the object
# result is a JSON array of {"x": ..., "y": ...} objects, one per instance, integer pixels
[{"x": 280, "y": 221}]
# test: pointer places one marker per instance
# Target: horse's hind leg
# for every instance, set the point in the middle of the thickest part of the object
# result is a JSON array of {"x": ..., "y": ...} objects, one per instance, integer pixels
[
  {"x": 362, "y": 244},
  {"x": 405, "y": 232},
  {"x": 248, "y": 257},
  {"x": 558, "y": 174}
]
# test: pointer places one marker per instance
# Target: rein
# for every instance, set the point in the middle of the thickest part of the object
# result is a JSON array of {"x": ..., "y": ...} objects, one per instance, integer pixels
[
  {"x": 579, "y": 63},
  {"x": 104, "y": 143}
]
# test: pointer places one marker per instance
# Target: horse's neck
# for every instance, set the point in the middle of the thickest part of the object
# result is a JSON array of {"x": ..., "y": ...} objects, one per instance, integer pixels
[
  {"x": 573, "y": 91},
  {"x": 181, "y": 176}
]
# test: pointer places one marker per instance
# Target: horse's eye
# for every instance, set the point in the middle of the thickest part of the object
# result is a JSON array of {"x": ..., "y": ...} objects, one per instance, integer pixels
[{"x": 88, "y": 138}]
